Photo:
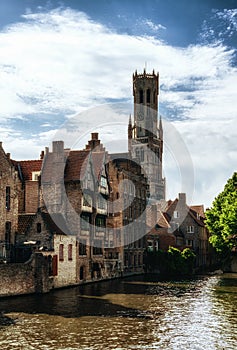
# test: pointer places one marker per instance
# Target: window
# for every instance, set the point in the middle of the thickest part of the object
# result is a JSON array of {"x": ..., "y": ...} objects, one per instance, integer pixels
[
  {"x": 140, "y": 96},
  {"x": 8, "y": 234},
  {"x": 87, "y": 200},
  {"x": 8, "y": 197},
  {"x": 102, "y": 202},
  {"x": 82, "y": 247},
  {"x": 100, "y": 222},
  {"x": 148, "y": 96},
  {"x": 35, "y": 175},
  {"x": 38, "y": 227},
  {"x": 137, "y": 153},
  {"x": 176, "y": 214},
  {"x": 69, "y": 251},
  {"x": 103, "y": 181},
  {"x": 85, "y": 222},
  {"x": 61, "y": 257},
  {"x": 97, "y": 248},
  {"x": 190, "y": 229},
  {"x": 189, "y": 242},
  {"x": 142, "y": 155}
]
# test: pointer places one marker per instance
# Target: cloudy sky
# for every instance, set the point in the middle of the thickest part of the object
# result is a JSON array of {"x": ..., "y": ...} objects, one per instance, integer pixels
[{"x": 61, "y": 58}]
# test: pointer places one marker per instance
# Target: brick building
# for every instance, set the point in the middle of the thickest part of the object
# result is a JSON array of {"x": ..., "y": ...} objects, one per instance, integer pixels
[
  {"x": 10, "y": 189},
  {"x": 187, "y": 224}
]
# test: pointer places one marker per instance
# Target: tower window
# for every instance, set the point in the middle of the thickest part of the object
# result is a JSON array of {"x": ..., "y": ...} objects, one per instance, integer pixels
[
  {"x": 141, "y": 96},
  {"x": 148, "y": 96}
]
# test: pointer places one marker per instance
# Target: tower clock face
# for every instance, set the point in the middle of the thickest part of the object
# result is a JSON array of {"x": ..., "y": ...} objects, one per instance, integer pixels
[{"x": 140, "y": 116}]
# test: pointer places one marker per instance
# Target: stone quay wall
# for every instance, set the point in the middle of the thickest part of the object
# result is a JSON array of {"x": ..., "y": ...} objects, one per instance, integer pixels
[{"x": 25, "y": 278}]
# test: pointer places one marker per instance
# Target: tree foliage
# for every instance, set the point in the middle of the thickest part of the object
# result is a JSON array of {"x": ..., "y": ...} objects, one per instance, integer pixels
[
  {"x": 221, "y": 219},
  {"x": 173, "y": 263}
]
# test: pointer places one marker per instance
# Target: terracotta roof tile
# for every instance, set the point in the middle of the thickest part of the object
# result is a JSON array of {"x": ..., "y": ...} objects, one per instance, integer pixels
[
  {"x": 198, "y": 209},
  {"x": 76, "y": 165},
  {"x": 27, "y": 167}
]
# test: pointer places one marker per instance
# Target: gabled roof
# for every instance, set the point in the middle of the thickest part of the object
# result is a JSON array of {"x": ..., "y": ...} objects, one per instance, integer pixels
[
  {"x": 198, "y": 209},
  {"x": 55, "y": 223},
  {"x": 26, "y": 167},
  {"x": 97, "y": 159},
  {"x": 24, "y": 222},
  {"x": 76, "y": 165},
  {"x": 162, "y": 220}
]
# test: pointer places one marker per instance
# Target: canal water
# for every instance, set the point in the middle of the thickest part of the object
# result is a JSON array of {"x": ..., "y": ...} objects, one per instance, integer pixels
[{"x": 133, "y": 313}]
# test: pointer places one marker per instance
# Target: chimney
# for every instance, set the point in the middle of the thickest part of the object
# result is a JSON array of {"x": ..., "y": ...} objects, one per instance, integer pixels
[
  {"x": 94, "y": 142},
  {"x": 58, "y": 147},
  {"x": 182, "y": 198},
  {"x": 42, "y": 155},
  {"x": 8, "y": 155},
  {"x": 94, "y": 135}
]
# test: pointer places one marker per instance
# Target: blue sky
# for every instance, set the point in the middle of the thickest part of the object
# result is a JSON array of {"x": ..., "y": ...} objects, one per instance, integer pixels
[{"x": 60, "y": 58}]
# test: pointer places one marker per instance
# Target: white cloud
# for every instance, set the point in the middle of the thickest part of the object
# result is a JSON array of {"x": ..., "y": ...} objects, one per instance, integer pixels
[{"x": 62, "y": 62}]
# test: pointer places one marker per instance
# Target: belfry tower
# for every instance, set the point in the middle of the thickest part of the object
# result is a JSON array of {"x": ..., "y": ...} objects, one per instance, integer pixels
[{"x": 145, "y": 138}]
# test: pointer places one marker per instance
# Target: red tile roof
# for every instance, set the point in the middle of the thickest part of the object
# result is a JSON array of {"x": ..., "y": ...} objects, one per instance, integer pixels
[
  {"x": 198, "y": 209},
  {"x": 76, "y": 165},
  {"x": 27, "y": 167}
]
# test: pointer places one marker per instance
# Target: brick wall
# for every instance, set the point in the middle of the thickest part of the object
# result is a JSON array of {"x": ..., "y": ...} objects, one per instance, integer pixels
[
  {"x": 26, "y": 278},
  {"x": 31, "y": 196}
]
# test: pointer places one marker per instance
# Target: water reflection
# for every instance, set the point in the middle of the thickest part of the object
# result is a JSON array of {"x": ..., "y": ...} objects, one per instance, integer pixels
[{"x": 134, "y": 313}]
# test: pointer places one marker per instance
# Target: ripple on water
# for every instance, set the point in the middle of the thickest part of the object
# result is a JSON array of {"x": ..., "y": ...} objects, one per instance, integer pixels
[{"x": 181, "y": 315}]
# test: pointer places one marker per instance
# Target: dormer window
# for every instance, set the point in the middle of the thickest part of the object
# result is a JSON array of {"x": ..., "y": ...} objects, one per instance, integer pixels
[{"x": 35, "y": 175}]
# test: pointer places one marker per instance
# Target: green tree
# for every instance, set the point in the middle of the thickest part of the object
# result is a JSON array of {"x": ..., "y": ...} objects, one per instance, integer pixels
[{"x": 221, "y": 219}]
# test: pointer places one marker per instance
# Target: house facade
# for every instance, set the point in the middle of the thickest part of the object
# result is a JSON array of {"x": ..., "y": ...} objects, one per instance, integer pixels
[{"x": 10, "y": 190}]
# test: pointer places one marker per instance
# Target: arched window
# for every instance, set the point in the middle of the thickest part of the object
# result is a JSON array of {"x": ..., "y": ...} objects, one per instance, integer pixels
[
  {"x": 148, "y": 96},
  {"x": 141, "y": 96}
]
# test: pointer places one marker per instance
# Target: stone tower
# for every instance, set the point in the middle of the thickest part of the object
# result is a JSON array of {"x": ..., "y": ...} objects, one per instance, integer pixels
[{"x": 145, "y": 138}]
